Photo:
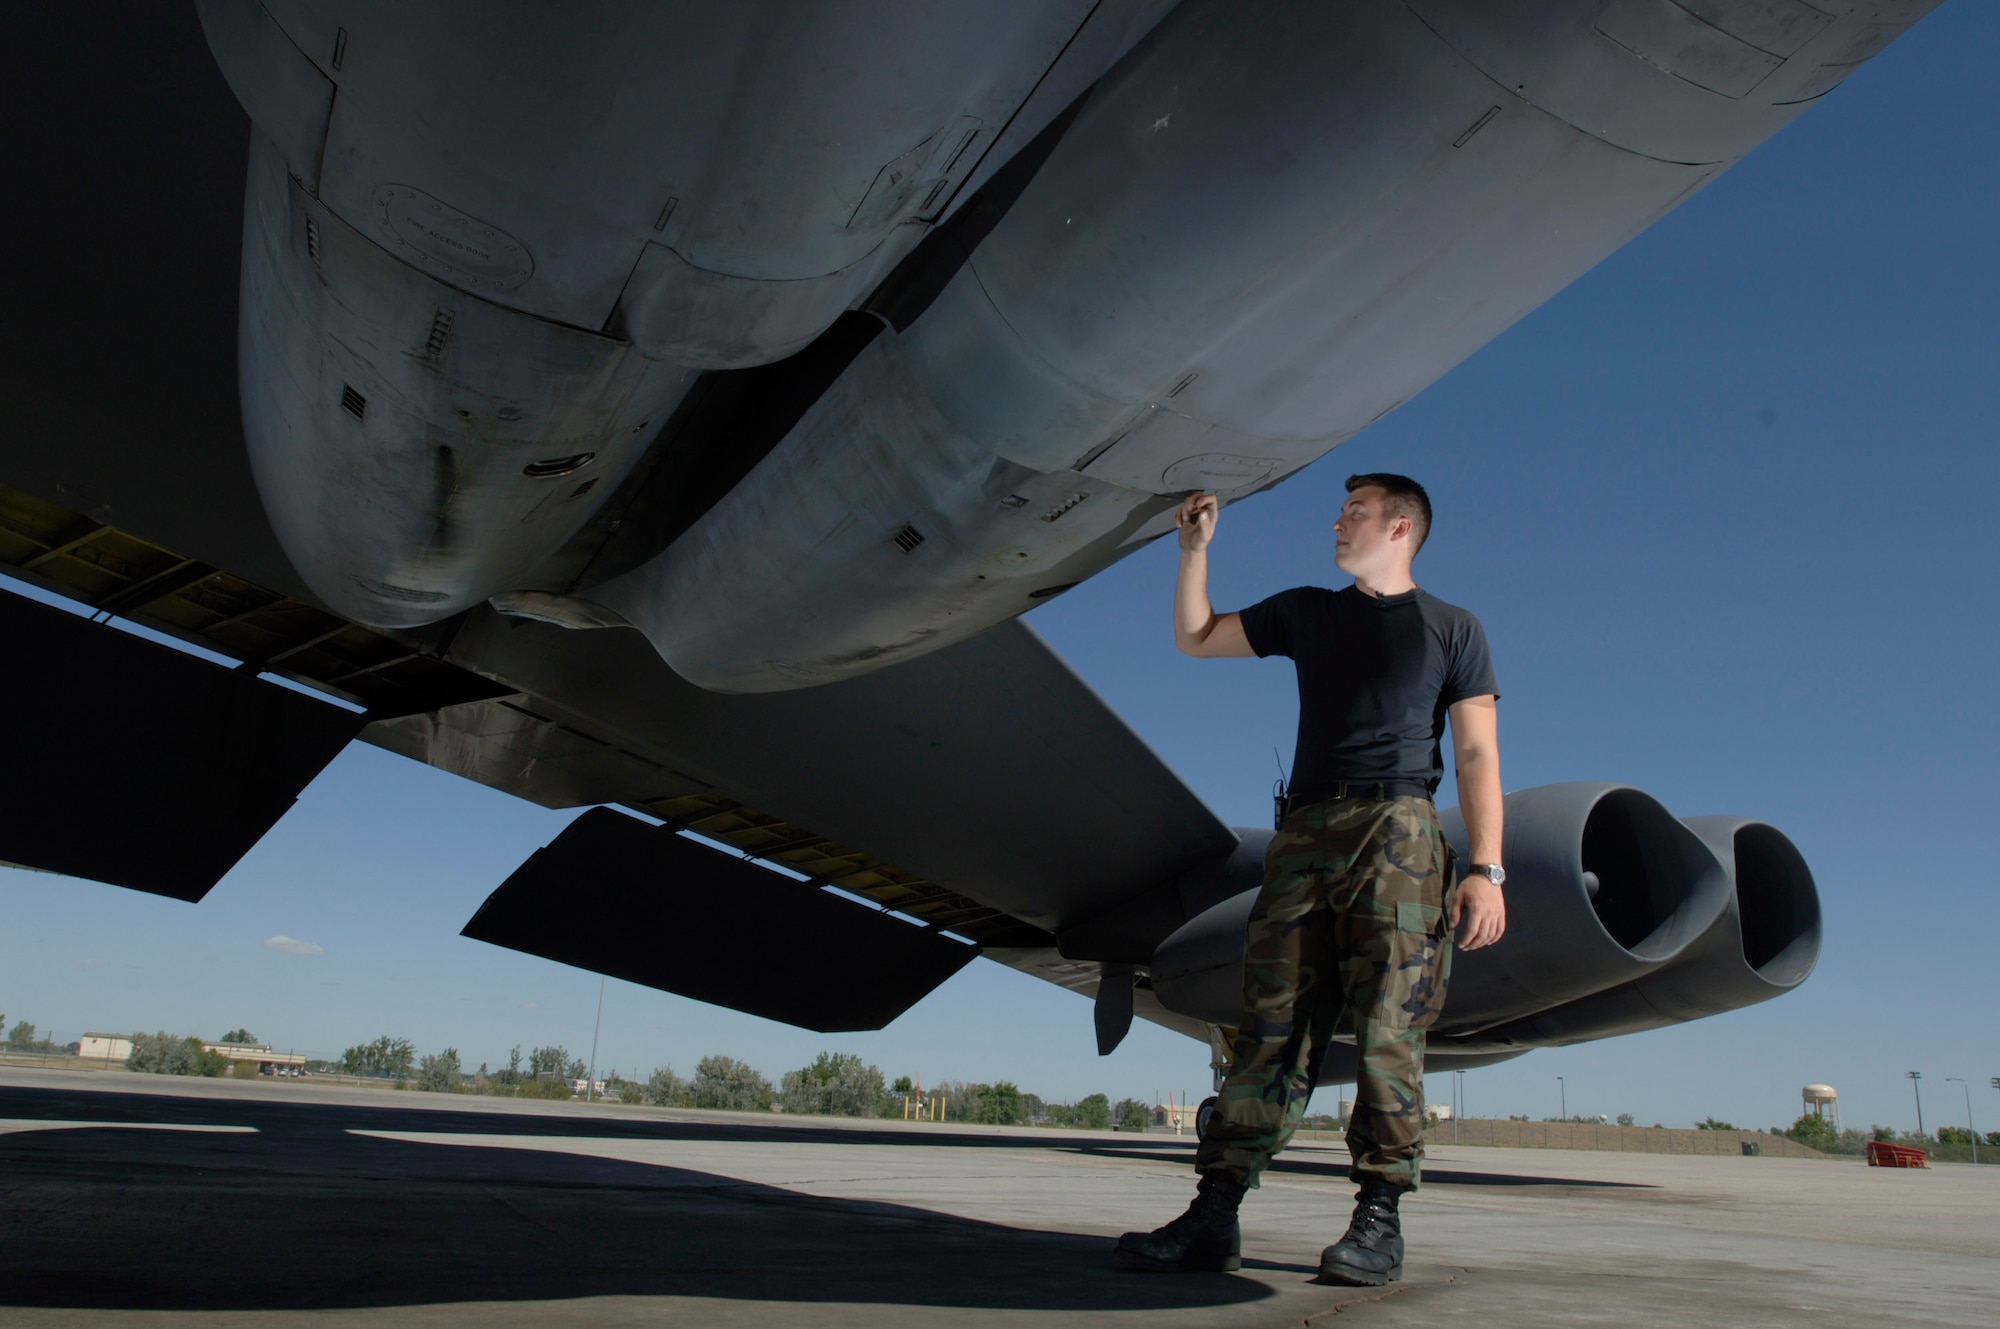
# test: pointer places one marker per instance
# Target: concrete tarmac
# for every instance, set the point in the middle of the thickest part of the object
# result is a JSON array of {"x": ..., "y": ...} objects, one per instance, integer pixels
[{"x": 146, "y": 1200}]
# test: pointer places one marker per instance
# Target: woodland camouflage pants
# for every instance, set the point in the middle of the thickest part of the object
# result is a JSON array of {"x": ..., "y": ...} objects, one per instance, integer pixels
[{"x": 1350, "y": 918}]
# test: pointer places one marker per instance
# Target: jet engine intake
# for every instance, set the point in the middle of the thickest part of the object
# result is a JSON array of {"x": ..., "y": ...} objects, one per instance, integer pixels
[
  {"x": 1603, "y": 886},
  {"x": 1763, "y": 944},
  {"x": 1775, "y": 895}
]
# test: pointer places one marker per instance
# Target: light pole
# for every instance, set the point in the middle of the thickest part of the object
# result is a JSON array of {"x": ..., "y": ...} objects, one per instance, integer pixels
[
  {"x": 1562, "y": 1093},
  {"x": 590, "y": 1085},
  {"x": 1915, "y": 1077},
  {"x": 1970, "y": 1129}
]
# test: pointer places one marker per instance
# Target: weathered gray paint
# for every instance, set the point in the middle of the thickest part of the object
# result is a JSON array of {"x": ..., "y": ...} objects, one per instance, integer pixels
[
  {"x": 1269, "y": 225},
  {"x": 394, "y": 422},
  {"x": 517, "y": 233}
]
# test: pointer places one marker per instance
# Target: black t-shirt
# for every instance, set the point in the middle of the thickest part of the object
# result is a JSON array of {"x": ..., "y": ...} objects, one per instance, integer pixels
[{"x": 1375, "y": 677}]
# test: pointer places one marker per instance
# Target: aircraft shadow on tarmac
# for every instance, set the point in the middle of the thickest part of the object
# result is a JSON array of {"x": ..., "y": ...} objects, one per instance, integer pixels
[
  {"x": 305, "y": 1214},
  {"x": 278, "y": 1116}
]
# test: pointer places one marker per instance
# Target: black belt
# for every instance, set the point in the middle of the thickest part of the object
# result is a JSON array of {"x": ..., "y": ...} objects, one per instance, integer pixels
[{"x": 1356, "y": 789}]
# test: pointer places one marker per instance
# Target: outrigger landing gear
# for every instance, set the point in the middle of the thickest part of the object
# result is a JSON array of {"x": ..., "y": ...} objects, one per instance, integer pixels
[{"x": 1219, "y": 1040}]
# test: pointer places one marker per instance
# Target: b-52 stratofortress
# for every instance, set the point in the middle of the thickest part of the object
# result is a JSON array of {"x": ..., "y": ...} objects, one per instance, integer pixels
[{"x": 668, "y": 409}]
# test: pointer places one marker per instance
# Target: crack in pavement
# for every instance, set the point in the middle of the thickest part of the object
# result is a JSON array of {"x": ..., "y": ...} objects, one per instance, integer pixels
[{"x": 1371, "y": 1300}]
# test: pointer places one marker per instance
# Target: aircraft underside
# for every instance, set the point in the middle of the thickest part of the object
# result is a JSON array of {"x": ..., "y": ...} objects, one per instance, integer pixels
[
  {"x": 1024, "y": 273},
  {"x": 671, "y": 406}
]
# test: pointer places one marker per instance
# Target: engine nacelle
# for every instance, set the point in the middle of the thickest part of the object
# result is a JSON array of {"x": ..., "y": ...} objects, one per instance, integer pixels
[
  {"x": 1762, "y": 945},
  {"x": 419, "y": 449},
  {"x": 488, "y": 250},
  {"x": 1603, "y": 886}
]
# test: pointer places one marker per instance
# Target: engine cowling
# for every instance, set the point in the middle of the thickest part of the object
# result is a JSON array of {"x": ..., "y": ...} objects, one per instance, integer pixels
[
  {"x": 488, "y": 249},
  {"x": 1604, "y": 886},
  {"x": 418, "y": 448},
  {"x": 1763, "y": 944}
]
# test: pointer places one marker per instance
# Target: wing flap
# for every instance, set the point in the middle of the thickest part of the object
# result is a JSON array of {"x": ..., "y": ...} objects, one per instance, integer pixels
[
  {"x": 136, "y": 764},
  {"x": 617, "y": 896}
]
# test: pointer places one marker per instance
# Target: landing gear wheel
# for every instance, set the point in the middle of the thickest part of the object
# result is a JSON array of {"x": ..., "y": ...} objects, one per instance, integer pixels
[{"x": 1203, "y": 1115}]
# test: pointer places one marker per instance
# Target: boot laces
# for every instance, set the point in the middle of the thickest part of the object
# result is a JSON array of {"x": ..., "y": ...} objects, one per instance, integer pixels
[{"x": 1372, "y": 1220}]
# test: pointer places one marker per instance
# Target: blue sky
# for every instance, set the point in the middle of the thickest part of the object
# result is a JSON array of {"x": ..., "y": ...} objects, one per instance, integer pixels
[{"x": 1723, "y": 507}]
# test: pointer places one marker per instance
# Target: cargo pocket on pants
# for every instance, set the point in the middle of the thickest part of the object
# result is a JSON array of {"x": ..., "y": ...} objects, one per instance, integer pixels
[{"x": 1419, "y": 960}]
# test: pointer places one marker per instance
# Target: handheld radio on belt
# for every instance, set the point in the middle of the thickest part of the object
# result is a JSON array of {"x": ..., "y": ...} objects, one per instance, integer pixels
[{"x": 1278, "y": 794}]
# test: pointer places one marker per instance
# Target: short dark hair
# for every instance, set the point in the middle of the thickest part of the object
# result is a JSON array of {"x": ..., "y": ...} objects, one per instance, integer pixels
[{"x": 1404, "y": 497}]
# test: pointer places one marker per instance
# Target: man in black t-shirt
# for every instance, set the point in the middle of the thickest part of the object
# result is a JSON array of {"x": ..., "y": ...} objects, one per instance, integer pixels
[{"x": 1358, "y": 905}]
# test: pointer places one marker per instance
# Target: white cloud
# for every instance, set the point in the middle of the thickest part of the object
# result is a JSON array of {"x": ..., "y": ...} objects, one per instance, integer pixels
[
  {"x": 93, "y": 963},
  {"x": 293, "y": 946},
  {"x": 531, "y": 1005}
]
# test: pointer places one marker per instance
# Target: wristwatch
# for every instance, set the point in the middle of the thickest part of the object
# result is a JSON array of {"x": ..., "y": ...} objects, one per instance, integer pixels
[{"x": 1491, "y": 871}]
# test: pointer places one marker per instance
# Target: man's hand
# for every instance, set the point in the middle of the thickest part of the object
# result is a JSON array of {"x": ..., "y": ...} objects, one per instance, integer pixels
[
  {"x": 1479, "y": 902},
  {"x": 1198, "y": 630},
  {"x": 1196, "y": 521}
]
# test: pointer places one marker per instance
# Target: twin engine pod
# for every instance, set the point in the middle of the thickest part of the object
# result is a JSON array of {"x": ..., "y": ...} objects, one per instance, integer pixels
[
  {"x": 1619, "y": 918},
  {"x": 1763, "y": 943}
]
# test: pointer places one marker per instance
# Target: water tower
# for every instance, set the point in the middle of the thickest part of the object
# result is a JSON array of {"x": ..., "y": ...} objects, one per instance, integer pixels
[{"x": 1822, "y": 1102}]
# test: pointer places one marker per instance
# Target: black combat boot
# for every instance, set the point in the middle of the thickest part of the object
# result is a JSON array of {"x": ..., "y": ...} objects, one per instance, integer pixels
[
  {"x": 1205, "y": 1237},
  {"x": 1371, "y": 1253}
]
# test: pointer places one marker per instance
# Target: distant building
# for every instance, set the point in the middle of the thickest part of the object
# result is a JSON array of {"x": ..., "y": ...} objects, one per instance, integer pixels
[
  {"x": 1344, "y": 1110},
  {"x": 104, "y": 1047}
]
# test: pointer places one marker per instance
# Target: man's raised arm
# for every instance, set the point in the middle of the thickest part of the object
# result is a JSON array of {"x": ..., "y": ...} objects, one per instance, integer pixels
[{"x": 1198, "y": 630}]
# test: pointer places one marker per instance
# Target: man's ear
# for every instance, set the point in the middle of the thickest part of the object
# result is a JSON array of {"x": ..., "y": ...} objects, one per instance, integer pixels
[{"x": 1400, "y": 528}]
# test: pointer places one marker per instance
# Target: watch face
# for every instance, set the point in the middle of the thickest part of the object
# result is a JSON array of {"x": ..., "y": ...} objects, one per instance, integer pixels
[{"x": 1498, "y": 874}]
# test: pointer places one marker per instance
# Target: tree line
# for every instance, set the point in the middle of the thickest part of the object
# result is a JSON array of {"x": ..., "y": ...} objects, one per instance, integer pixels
[{"x": 833, "y": 1084}]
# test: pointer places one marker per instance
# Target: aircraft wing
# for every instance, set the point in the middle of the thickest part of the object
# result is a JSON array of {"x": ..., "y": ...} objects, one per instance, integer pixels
[{"x": 984, "y": 789}]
